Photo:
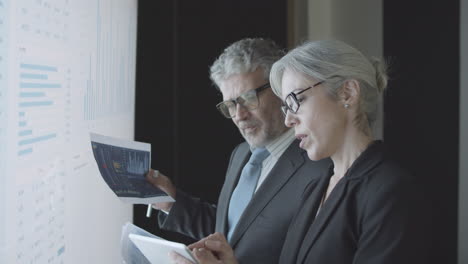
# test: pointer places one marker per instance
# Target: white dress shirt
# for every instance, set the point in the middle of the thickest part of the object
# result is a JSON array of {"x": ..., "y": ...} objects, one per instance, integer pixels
[{"x": 276, "y": 148}]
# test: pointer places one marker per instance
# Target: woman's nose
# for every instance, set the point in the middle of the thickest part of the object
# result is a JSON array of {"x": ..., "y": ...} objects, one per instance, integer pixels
[{"x": 290, "y": 120}]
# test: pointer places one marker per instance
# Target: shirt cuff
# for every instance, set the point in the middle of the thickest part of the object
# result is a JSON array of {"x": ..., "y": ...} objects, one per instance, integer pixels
[{"x": 164, "y": 211}]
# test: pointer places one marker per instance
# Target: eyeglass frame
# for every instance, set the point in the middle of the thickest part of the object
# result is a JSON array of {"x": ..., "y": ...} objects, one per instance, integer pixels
[
  {"x": 285, "y": 107},
  {"x": 235, "y": 100}
]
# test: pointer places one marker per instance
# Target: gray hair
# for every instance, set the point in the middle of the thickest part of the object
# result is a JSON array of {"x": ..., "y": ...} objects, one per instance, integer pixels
[
  {"x": 335, "y": 62},
  {"x": 245, "y": 56}
]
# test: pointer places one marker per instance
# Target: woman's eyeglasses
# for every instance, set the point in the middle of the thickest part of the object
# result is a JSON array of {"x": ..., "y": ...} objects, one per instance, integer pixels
[{"x": 291, "y": 103}]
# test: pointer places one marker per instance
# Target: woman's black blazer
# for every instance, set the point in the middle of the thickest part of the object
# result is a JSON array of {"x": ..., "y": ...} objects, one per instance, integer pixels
[{"x": 375, "y": 214}]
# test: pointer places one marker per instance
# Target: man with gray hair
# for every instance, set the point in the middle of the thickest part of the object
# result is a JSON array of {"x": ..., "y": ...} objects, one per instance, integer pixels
[{"x": 266, "y": 175}]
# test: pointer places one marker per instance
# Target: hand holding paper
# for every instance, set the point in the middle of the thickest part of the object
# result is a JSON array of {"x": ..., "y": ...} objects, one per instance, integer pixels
[
  {"x": 123, "y": 165},
  {"x": 162, "y": 182}
]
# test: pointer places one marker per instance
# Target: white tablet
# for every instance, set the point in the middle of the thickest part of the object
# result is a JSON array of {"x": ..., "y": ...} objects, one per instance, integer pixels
[{"x": 157, "y": 250}]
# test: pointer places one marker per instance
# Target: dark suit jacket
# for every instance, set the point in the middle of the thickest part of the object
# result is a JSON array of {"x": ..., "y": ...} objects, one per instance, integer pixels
[
  {"x": 374, "y": 215},
  {"x": 261, "y": 230}
]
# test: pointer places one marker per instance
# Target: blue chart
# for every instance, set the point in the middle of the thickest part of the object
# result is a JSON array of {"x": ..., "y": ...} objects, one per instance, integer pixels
[
  {"x": 3, "y": 71},
  {"x": 66, "y": 67},
  {"x": 3, "y": 117},
  {"x": 3, "y": 82},
  {"x": 112, "y": 67},
  {"x": 124, "y": 170},
  {"x": 137, "y": 164},
  {"x": 39, "y": 88}
]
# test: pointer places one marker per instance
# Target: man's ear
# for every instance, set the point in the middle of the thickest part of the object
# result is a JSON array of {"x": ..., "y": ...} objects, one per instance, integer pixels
[{"x": 349, "y": 93}]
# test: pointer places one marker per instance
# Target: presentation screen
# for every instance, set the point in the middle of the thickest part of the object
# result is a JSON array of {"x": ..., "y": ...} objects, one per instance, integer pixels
[{"x": 67, "y": 68}]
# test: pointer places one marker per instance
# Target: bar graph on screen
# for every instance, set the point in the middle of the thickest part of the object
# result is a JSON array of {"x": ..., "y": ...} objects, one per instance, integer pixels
[
  {"x": 106, "y": 90},
  {"x": 66, "y": 67},
  {"x": 41, "y": 106},
  {"x": 4, "y": 18}
]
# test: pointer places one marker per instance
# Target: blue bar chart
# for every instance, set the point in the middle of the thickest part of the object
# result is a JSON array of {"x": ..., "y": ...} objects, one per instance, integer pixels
[
  {"x": 3, "y": 115},
  {"x": 40, "y": 85},
  {"x": 67, "y": 68},
  {"x": 107, "y": 90},
  {"x": 137, "y": 163}
]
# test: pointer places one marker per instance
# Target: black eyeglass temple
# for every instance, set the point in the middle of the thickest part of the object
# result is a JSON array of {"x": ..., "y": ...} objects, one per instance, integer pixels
[
  {"x": 319, "y": 83},
  {"x": 266, "y": 85}
]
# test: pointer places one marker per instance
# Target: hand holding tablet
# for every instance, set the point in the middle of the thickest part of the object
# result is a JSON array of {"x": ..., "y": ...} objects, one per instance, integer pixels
[{"x": 157, "y": 250}]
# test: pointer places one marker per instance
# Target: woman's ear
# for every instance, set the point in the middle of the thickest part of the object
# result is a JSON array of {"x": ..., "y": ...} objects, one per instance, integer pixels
[{"x": 349, "y": 94}]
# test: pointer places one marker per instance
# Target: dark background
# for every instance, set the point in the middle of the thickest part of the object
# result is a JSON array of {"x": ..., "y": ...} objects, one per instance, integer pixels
[
  {"x": 175, "y": 103},
  {"x": 421, "y": 124}
]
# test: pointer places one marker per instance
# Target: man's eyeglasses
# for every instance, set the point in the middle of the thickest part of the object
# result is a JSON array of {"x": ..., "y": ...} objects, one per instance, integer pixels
[
  {"x": 249, "y": 100},
  {"x": 291, "y": 103}
]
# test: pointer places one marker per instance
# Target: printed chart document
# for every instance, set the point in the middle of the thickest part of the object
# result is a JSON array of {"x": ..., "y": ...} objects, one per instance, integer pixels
[
  {"x": 123, "y": 165},
  {"x": 157, "y": 250}
]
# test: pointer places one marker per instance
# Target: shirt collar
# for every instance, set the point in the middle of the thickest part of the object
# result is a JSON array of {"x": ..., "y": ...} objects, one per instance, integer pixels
[{"x": 277, "y": 146}]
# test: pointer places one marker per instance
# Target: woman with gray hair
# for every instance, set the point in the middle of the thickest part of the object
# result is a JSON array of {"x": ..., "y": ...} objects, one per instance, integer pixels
[{"x": 366, "y": 209}]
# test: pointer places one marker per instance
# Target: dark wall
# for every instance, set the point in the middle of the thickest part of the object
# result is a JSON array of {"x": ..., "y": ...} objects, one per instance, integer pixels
[
  {"x": 191, "y": 142},
  {"x": 422, "y": 107},
  {"x": 175, "y": 102}
]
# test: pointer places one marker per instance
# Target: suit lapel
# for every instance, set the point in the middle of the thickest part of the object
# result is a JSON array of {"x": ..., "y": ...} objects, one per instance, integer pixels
[
  {"x": 322, "y": 218},
  {"x": 303, "y": 219},
  {"x": 291, "y": 159},
  {"x": 232, "y": 177}
]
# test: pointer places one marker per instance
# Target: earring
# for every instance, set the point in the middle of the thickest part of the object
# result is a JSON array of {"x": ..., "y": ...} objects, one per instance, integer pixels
[{"x": 346, "y": 106}]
